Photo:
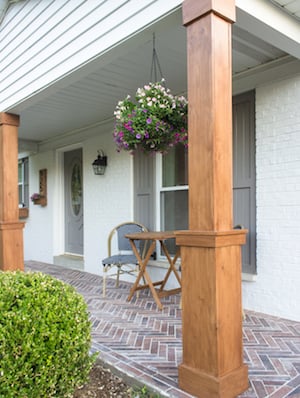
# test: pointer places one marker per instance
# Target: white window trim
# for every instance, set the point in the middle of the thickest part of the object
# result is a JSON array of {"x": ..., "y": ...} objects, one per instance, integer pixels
[{"x": 158, "y": 189}]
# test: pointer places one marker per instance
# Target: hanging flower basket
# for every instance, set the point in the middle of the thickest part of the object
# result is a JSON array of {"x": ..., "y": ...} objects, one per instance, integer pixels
[{"x": 154, "y": 122}]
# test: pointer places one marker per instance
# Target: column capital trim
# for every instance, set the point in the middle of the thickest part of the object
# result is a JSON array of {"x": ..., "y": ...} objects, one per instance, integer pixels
[
  {"x": 193, "y": 10},
  {"x": 5, "y": 225},
  {"x": 211, "y": 239},
  {"x": 9, "y": 119}
]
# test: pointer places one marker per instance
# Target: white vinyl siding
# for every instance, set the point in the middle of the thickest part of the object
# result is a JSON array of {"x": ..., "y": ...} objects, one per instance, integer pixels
[{"x": 74, "y": 32}]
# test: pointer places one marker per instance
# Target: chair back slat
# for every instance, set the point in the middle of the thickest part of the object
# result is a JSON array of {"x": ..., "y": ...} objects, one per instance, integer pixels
[{"x": 123, "y": 243}]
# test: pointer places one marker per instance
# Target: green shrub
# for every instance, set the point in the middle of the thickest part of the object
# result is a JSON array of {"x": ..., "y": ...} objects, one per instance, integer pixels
[
  {"x": 44, "y": 337},
  {"x": 143, "y": 392}
]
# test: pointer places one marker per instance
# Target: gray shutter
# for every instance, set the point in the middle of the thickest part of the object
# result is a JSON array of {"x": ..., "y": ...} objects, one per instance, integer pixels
[
  {"x": 144, "y": 166},
  {"x": 244, "y": 204}
]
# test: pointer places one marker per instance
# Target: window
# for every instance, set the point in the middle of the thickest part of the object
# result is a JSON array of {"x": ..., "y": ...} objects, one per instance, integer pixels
[
  {"x": 161, "y": 183},
  {"x": 173, "y": 192},
  {"x": 23, "y": 182}
]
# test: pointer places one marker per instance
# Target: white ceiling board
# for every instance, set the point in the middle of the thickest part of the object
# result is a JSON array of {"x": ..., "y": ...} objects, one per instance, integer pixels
[{"x": 90, "y": 94}]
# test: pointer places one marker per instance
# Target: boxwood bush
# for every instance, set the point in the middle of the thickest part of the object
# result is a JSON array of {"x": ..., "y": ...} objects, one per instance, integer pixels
[{"x": 44, "y": 337}]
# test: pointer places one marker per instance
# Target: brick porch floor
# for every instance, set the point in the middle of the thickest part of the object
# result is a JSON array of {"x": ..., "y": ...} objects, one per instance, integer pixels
[{"x": 145, "y": 344}]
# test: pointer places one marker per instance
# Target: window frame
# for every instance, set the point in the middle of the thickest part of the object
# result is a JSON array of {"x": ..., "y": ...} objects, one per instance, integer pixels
[
  {"x": 159, "y": 189},
  {"x": 24, "y": 183}
]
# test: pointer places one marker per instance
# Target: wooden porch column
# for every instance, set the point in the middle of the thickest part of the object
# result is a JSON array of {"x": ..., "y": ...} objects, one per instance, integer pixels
[
  {"x": 11, "y": 229},
  {"x": 211, "y": 250}
]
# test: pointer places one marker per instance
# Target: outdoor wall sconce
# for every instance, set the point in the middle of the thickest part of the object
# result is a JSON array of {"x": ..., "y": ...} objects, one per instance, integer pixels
[{"x": 99, "y": 164}]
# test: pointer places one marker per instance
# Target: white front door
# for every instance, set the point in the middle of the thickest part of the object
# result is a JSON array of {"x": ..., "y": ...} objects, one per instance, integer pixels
[{"x": 73, "y": 202}]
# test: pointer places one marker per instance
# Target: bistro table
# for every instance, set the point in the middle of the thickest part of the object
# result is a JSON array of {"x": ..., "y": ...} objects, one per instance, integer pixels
[{"x": 153, "y": 237}]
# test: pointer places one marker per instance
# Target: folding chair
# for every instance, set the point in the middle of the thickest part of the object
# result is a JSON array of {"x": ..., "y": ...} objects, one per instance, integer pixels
[{"x": 124, "y": 259}]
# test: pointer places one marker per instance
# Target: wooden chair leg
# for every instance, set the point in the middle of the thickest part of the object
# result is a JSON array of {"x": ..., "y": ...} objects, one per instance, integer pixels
[
  {"x": 137, "y": 271},
  {"x": 118, "y": 276},
  {"x": 104, "y": 282}
]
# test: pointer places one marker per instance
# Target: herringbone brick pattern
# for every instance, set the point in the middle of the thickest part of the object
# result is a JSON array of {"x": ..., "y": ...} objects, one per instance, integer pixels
[{"x": 144, "y": 343}]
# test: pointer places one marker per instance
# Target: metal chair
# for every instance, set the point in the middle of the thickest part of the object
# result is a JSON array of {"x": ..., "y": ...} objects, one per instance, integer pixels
[
  {"x": 124, "y": 259},
  {"x": 238, "y": 226}
]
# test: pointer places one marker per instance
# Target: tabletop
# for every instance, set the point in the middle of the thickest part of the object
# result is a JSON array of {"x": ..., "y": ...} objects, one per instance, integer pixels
[{"x": 155, "y": 235}]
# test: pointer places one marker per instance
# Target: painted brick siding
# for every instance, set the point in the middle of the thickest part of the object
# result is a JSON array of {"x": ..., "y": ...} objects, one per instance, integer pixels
[
  {"x": 277, "y": 289},
  {"x": 108, "y": 198}
]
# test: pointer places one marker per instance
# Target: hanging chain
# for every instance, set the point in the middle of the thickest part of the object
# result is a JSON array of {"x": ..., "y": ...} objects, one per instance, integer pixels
[{"x": 155, "y": 65}]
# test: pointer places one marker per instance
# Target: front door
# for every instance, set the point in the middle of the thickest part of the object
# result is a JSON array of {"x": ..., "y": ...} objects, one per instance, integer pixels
[{"x": 73, "y": 202}]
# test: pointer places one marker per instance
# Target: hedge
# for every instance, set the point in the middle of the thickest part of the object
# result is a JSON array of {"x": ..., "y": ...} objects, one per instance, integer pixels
[{"x": 45, "y": 337}]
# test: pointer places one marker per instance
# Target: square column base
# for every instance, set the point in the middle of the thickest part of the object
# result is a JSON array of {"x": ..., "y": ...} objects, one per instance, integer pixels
[
  {"x": 203, "y": 385},
  {"x": 11, "y": 246},
  {"x": 212, "y": 362}
]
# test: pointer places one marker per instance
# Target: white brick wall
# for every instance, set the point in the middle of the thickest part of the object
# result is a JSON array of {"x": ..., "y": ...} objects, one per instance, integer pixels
[
  {"x": 277, "y": 289},
  {"x": 38, "y": 231},
  {"x": 107, "y": 200}
]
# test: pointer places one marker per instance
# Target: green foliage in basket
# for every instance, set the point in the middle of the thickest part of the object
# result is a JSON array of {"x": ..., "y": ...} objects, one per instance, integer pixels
[{"x": 154, "y": 122}]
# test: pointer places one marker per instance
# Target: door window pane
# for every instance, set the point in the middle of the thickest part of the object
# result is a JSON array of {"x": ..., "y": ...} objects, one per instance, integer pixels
[{"x": 76, "y": 188}]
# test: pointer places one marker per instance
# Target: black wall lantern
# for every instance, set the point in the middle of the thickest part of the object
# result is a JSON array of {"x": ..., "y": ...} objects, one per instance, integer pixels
[{"x": 99, "y": 164}]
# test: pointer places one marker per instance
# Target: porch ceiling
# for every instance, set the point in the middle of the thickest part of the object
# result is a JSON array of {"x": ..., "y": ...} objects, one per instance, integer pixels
[
  {"x": 90, "y": 94},
  {"x": 292, "y": 7}
]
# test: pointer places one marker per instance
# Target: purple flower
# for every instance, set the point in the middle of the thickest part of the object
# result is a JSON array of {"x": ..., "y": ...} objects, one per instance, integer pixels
[
  {"x": 138, "y": 136},
  {"x": 149, "y": 120},
  {"x": 127, "y": 126},
  {"x": 35, "y": 196}
]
